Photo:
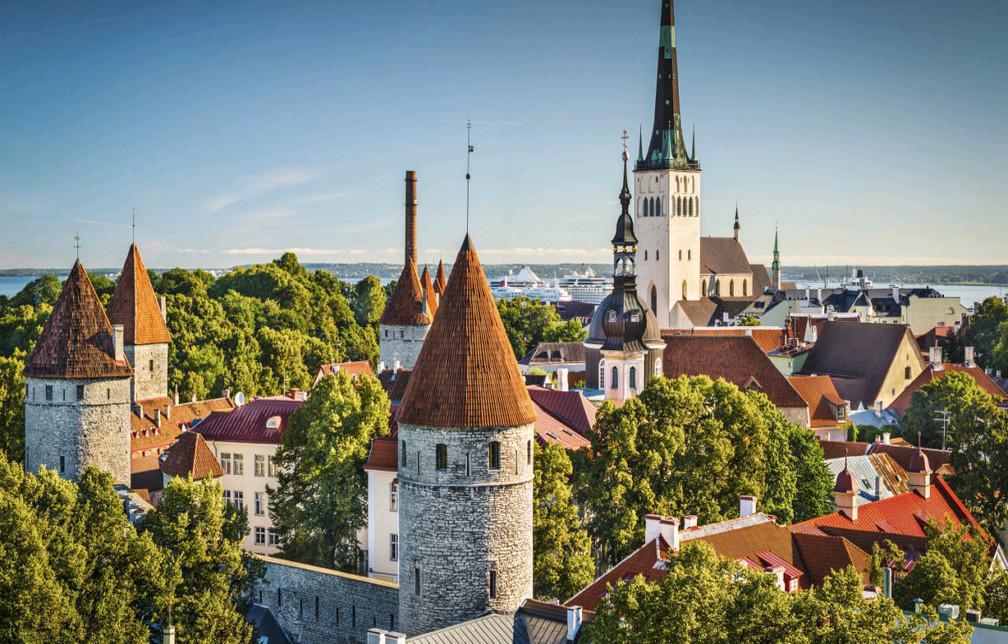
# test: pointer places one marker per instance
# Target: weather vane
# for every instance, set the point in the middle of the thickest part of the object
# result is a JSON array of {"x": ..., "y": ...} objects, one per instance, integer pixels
[
  {"x": 626, "y": 145},
  {"x": 469, "y": 151}
]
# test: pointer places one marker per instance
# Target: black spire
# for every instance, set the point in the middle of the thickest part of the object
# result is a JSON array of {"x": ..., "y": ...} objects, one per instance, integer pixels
[
  {"x": 667, "y": 148},
  {"x": 624, "y": 225},
  {"x": 624, "y": 241}
]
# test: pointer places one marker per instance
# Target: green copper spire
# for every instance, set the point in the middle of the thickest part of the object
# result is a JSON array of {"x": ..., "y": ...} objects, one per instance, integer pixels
[
  {"x": 692, "y": 154},
  {"x": 640, "y": 144},
  {"x": 776, "y": 253}
]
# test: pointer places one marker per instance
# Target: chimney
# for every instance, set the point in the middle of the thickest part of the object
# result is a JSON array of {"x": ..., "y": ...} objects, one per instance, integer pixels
[
  {"x": 747, "y": 505},
  {"x": 396, "y": 366},
  {"x": 117, "y": 342},
  {"x": 194, "y": 397},
  {"x": 164, "y": 309},
  {"x": 935, "y": 357},
  {"x": 652, "y": 527},
  {"x": 375, "y": 636},
  {"x": 411, "y": 216},
  {"x": 168, "y": 635},
  {"x": 157, "y": 417},
  {"x": 381, "y": 367},
  {"x": 669, "y": 527},
  {"x": 819, "y": 296},
  {"x": 778, "y": 573},
  {"x": 562, "y": 379},
  {"x": 878, "y": 487},
  {"x": 167, "y": 411},
  {"x": 226, "y": 393},
  {"x": 920, "y": 482},
  {"x": 886, "y": 437},
  {"x": 176, "y": 396},
  {"x": 574, "y": 617},
  {"x": 968, "y": 358},
  {"x": 689, "y": 521}
]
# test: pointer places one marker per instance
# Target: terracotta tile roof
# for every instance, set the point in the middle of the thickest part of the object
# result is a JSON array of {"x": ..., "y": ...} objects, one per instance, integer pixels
[
  {"x": 860, "y": 353},
  {"x": 191, "y": 455},
  {"x": 406, "y": 307},
  {"x": 466, "y": 374},
  {"x": 760, "y": 278},
  {"x": 767, "y": 338},
  {"x": 904, "y": 455},
  {"x": 839, "y": 449},
  {"x": 821, "y": 554},
  {"x": 384, "y": 454},
  {"x": 262, "y": 420},
  {"x": 76, "y": 341},
  {"x": 134, "y": 304},
  {"x": 737, "y": 359},
  {"x": 900, "y": 518},
  {"x": 822, "y": 398},
  {"x": 902, "y": 402},
  {"x": 353, "y": 368},
  {"x": 550, "y": 429},
  {"x": 394, "y": 383},
  {"x": 430, "y": 295},
  {"x": 570, "y": 407},
  {"x": 720, "y": 255},
  {"x": 441, "y": 281},
  {"x": 145, "y": 433},
  {"x": 145, "y": 472}
]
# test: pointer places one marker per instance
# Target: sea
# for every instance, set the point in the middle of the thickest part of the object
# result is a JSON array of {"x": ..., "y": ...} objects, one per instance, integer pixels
[{"x": 11, "y": 285}]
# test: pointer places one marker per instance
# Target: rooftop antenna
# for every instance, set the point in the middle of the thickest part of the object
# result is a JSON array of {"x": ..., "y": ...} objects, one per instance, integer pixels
[
  {"x": 77, "y": 244},
  {"x": 469, "y": 151}
]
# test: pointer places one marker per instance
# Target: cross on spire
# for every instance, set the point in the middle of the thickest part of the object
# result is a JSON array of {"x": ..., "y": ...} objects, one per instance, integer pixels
[
  {"x": 469, "y": 151},
  {"x": 134, "y": 225},
  {"x": 77, "y": 244}
]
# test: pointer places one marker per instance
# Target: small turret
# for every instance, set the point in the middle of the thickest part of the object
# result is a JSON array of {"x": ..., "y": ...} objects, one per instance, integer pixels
[
  {"x": 845, "y": 493},
  {"x": 920, "y": 472}
]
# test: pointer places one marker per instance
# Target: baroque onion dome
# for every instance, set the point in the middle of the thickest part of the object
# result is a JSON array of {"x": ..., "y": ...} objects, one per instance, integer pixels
[
  {"x": 466, "y": 376},
  {"x": 135, "y": 306},
  {"x": 845, "y": 481},
  {"x": 407, "y": 306},
  {"x": 430, "y": 294},
  {"x": 621, "y": 322},
  {"x": 76, "y": 341}
]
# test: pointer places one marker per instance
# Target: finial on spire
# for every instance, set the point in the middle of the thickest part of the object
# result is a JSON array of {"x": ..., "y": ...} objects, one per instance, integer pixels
[
  {"x": 77, "y": 244},
  {"x": 134, "y": 225},
  {"x": 469, "y": 151},
  {"x": 626, "y": 147},
  {"x": 624, "y": 194}
]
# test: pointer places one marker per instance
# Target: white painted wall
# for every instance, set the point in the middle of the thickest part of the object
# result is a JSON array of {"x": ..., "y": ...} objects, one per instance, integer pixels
[
  {"x": 248, "y": 483},
  {"x": 383, "y": 522}
]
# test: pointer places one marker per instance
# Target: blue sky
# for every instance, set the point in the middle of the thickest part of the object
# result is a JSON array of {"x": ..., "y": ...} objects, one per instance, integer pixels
[{"x": 870, "y": 132}]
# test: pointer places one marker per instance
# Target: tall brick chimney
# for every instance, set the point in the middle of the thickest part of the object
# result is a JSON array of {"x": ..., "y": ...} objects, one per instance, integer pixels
[{"x": 411, "y": 214}]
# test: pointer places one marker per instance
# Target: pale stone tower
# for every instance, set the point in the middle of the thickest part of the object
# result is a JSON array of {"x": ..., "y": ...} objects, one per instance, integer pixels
[
  {"x": 624, "y": 346},
  {"x": 135, "y": 306},
  {"x": 465, "y": 465},
  {"x": 668, "y": 193},
  {"x": 407, "y": 316},
  {"x": 77, "y": 405}
]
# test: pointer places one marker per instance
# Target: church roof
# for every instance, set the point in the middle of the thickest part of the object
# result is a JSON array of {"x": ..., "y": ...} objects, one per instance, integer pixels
[
  {"x": 406, "y": 307},
  {"x": 134, "y": 304},
  {"x": 76, "y": 341},
  {"x": 723, "y": 255},
  {"x": 430, "y": 294},
  {"x": 466, "y": 374}
]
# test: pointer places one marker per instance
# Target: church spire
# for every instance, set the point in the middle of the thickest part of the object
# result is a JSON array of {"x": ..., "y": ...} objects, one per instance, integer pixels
[
  {"x": 775, "y": 266},
  {"x": 737, "y": 228},
  {"x": 624, "y": 242},
  {"x": 667, "y": 148}
]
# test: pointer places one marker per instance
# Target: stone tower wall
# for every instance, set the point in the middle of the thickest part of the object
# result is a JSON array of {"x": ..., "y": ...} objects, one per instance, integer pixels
[
  {"x": 460, "y": 523},
  {"x": 402, "y": 343},
  {"x": 149, "y": 382},
  {"x": 93, "y": 431}
]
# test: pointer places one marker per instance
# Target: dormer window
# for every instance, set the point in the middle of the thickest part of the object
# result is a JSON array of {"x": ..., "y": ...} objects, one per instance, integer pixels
[
  {"x": 273, "y": 422},
  {"x": 611, "y": 316}
]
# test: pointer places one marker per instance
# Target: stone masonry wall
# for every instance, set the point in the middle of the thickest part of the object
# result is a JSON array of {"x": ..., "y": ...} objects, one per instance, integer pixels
[
  {"x": 459, "y": 523},
  {"x": 315, "y": 604},
  {"x": 147, "y": 382},
  {"x": 402, "y": 343},
  {"x": 93, "y": 431}
]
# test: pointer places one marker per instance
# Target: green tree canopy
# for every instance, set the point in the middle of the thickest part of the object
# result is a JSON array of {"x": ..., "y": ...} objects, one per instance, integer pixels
[
  {"x": 368, "y": 300},
  {"x": 693, "y": 446},
  {"x": 529, "y": 322},
  {"x": 956, "y": 393},
  {"x": 562, "y": 563},
  {"x": 320, "y": 501}
]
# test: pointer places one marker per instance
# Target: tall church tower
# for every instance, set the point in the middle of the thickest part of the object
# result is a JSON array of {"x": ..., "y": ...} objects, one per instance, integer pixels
[
  {"x": 668, "y": 192},
  {"x": 465, "y": 465},
  {"x": 135, "y": 306},
  {"x": 77, "y": 404}
]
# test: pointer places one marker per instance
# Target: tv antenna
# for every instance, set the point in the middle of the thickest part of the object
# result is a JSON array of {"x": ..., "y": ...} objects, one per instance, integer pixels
[{"x": 469, "y": 151}]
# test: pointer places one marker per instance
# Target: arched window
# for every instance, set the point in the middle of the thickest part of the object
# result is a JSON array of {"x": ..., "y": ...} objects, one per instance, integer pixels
[
  {"x": 632, "y": 378},
  {"x": 745, "y": 287},
  {"x": 680, "y": 254},
  {"x": 696, "y": 206},
  {"x": 611, "y": 315},
  {"x": 689, "y": 253},
  {"x": 678, "y": 206},
  {"x": 657, "y": 368},
  {"x": 731, "y": 288},
  {"x": 906, "y": 372},
  {"x": 703, "y": 287},
  {"x": 689, "y": 207},
  {"x": 645, "y": 254},
  {"x": 614, "y": 384},
  {"x": 654, "y": 300},
  {"x": 658, "y": 207},
  {"x": 684, "y": 290},
  {"x": 717, "y": 287},
  {"x": 601, "y": 374}
]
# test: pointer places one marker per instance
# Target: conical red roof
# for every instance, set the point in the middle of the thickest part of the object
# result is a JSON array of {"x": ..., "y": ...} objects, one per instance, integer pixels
[
  {"x": 440, "y": 281},
  {"x": 134, "y": 304},
  {"x": 430, "y": 295},
  {"x": 466, "y": 375},
  {"x": 191, "y": 455},
  {"x": 406, "y": 306},
  {"x": 76, "y": 341}
]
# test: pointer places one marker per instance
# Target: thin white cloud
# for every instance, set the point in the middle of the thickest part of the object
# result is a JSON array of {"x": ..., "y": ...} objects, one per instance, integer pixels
[
  {"x": 99, "y": 222},
  {"x": 259, "y": 185}
]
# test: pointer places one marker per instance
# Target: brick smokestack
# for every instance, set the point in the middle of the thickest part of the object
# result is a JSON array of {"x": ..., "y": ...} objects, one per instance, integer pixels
[{"x": 411, "y": 214}]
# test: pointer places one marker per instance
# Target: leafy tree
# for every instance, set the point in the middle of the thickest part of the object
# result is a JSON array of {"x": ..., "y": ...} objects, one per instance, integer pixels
[
  {"x": 44, "y": 290},
  {"x": 984, "y": 330},
  {"x": 996, "y": 596},
  {"x": 206, "y": 569},
  {"x": 693, "y": 446},
  {"x": 749, "y": 320},
  {"x": 956, "y": 392},
  {"x": 103, "y": 286},
  {"x": 12, "y": 399},
  {"x": 529, "y": 322},
  {"x": 814, "y": 481},
  {"x": 932, "y": 579},
  {"x": 562, "y": 563},
  {"x": 368, "y": 300},
  {"x": 321, "y": 498},
  {"x": 178, "y": 281},
  {"x": 887, "y": 555}
]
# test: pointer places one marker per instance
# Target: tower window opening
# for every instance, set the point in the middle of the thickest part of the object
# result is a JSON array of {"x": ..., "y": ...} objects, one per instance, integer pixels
[
  {"x": 632, "y": 378},
  {"x": 658, "y": 207},
  {"x": 645, "y": 254},
  {"x": 493, "y": 455},
  {"x": 654, "y": 300},
  {"x": 493, "y": 584},
  {"x": 441, "y": 451},
  {"x": 745, "y": 287},
  {"x": 601, "y": 375},
  {"x": 528, "y": 452},
  {"x": 614, "y": 384},
  {"x": 416, "y": 581},
  {"x": 48, "y": 392},
  {"x": 80, "y": 392},
  {"x": 657, "y": 255},
  {"x": 657, "y": 368},
  {"x": 404, "y": 452},
  {"x": 684, "y": 289},
  {"x": 63, "y": 461}
]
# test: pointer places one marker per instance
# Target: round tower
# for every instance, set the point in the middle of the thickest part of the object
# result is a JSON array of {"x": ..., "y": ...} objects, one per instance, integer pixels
[
  {"x": 78, "y": 381},
  {"x": 465, "y": 465},
  {"x": 404, "y": 322}
]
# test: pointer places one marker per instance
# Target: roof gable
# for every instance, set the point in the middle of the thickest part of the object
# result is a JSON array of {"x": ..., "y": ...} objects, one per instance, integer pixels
[
  {"x": 190, "y": 455},
  {"x": 134, "y": 304},
  {"x": 76, "y": 341},
  {"x": 466, "y": 374}
]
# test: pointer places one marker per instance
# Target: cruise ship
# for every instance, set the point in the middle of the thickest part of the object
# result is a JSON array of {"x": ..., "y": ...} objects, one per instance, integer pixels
[
  {"x": 526, "y": 283},
  {"x": 586, "y": 286}
]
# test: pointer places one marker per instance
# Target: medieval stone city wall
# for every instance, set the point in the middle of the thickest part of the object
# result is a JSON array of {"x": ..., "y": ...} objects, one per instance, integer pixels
[
  {"x": 401, "y": 343},
  {"x": 458, "y": 524},
  {"x": 149, "y": 381},
  {"x": 314, "y": 604}
]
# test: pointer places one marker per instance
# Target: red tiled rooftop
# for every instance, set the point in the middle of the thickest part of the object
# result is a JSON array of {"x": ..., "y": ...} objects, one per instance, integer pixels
[
  {"x": 134, "y": 304},
  {"x": 902, "y": 402},
  {"x": 248, "y": 423},
  {"x": 822, "y": 399},
  {"x": 549, "y": 429},
  {"x": 190, "y": 455},
  {"x": 767, "y": 338}
]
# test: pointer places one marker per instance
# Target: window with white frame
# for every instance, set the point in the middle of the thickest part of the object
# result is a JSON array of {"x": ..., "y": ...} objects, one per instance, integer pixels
[
  {"x": 394, "y": 496},
  {"x": 225, "y": 462},
  {"x": 271, "y": 537},
  {"x": 238, "y": 464},
  {"x": 239, "y": 499},
  {"x": 227, "y": 496},
  {"x": 260, "y": 536},
  {"x": 393, "y": 547},
  {"x": 260, "y": 465},
  {"x": 271, "y": 468},
  {"x": 260, "y": 503}
]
